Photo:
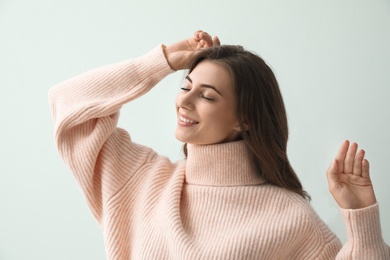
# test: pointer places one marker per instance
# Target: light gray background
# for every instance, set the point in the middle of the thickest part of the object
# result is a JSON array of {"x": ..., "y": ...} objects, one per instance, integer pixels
[{"x": 332, "y": 59}]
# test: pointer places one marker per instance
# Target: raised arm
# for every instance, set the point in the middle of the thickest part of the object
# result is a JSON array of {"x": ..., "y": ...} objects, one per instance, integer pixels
[
  {"x": 349, "y": 178},
  {"x": 85, "y": 110},
  {"x": 350, "y": 184}
]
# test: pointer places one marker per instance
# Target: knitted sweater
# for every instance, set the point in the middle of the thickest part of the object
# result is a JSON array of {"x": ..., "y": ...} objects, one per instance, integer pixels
[{"x": 212, "y": 205}]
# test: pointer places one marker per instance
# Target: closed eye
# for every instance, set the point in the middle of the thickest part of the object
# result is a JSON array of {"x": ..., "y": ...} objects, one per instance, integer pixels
[
  {"x": 201, "y": 95},
  {"x": 207, "y": 98}
]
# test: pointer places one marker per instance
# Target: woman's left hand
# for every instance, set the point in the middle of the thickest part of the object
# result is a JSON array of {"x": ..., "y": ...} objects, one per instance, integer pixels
[{"x": 349, "y": 178}]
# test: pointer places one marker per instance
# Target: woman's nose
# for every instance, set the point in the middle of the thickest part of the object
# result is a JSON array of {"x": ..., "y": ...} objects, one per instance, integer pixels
[{"x": 185, "y": 100}]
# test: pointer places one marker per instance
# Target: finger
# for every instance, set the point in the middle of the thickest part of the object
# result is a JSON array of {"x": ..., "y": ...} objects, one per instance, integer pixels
[
  {"x": 357, "y": 165},
  {"x": 216, "y": 41},
  {"x": 340, "y": 156},
  {"x": 333, "y": 168},
  {"x": 365, "y": 169},
  {"x": 331, "y": 174},
  {"x": 206, "y": 38},
  {"x": 197, "y": 35},
  {"x": 350, "y": 158}
]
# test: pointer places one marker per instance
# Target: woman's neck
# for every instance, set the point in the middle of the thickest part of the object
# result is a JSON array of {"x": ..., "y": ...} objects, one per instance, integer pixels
[{"x": 225, "y": 164}]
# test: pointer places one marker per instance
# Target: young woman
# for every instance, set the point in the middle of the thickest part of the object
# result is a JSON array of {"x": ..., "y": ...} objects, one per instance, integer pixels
[{"x": 235, "y": 196}]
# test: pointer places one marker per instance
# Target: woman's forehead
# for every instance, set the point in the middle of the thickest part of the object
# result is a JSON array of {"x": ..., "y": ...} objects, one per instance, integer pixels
[{"x": 209, "y": 72}]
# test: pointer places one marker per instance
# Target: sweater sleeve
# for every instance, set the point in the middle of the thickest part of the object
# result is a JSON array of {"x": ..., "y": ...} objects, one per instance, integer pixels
[
  {"x": 364, "y": 235},
  {"x": 85, "y": 110}
]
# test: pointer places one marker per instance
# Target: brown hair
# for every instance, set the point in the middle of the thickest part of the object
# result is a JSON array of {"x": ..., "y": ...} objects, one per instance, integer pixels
[{"x": 260, "y": 109}]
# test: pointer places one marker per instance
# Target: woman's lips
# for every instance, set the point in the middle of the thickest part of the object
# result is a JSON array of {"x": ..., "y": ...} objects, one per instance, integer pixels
[{"x": 186, "y": 121}]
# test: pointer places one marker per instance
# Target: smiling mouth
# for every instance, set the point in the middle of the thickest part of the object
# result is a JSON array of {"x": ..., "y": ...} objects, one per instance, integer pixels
[{"x": 187, "y": 121}]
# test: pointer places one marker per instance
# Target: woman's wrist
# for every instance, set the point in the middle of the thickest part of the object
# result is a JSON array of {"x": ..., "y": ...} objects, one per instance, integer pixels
[{"x": 167, "y": 53}]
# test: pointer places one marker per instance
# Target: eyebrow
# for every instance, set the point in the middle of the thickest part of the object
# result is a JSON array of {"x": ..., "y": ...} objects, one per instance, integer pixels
[{"x": 205, "y": 85}]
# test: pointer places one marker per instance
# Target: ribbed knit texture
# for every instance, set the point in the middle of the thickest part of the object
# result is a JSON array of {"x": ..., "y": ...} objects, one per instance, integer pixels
[{"x": 211, "y": 206}]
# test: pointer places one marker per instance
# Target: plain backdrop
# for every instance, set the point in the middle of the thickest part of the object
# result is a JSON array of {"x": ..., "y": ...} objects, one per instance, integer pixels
[{"x": 332, "y": 60}]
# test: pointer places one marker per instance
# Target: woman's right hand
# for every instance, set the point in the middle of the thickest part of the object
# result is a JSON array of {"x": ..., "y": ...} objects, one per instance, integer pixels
[{"x": 180, "y": 54}]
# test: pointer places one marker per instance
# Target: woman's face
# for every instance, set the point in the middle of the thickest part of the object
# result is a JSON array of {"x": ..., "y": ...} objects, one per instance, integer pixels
[{"x": 206, "y": 106}]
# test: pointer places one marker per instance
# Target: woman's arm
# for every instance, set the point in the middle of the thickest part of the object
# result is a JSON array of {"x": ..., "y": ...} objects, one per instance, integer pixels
[
  {"x": 85, "y": 110},
  {"x": 350, "y": 184}
]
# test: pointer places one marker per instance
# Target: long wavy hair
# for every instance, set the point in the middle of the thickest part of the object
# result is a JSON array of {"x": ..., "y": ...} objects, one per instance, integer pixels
[{"x": 260, "y": 111}]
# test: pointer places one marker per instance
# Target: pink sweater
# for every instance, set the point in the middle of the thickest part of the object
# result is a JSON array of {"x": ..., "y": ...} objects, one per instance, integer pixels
[{"x": 210, "y": 206}]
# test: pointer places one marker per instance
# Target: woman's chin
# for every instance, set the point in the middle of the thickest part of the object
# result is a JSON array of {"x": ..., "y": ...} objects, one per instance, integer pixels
[{"x": 181, "y": 138}]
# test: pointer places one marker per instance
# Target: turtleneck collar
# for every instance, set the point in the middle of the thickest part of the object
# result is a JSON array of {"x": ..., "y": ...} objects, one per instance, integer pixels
[{"x": 225, "y": 164}]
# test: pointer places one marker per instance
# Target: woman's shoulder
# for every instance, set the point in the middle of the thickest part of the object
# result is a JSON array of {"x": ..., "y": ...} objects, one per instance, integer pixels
[
  {"x": 297, "y": 214},
  {"x": 133, "y": 160},
  {"x": 290, "y": 219},
  {"x": 290, "y": 203}
]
